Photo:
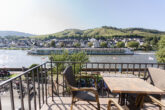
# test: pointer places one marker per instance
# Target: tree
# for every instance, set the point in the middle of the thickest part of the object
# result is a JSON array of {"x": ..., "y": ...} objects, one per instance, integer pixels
[
  {"x": 90, "y": 44},
  {"x": 50, "y": 37},
  {"x": 160, "y": 55},
  {"x": 146, "y": 47},
  {"x": 161, "y": 43},
  {"x": 154, "y": 41},
  {"x": 133, "y": 44},
  {"x": 76, "y": 57},
  {"x": 120, "y": 44},
  {"x": 77, "y": 44},
  {"x": 148, "y": 39},
  {"x": 52, "y": 43},
  {"x": 103, "y": 44}
]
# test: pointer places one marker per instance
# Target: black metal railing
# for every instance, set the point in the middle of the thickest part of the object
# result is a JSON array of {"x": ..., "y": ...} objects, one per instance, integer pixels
[
  {"x": 94, "y": 68},
  {"x": 31, "y": 89},
  {"x": 21, "y": 91}
]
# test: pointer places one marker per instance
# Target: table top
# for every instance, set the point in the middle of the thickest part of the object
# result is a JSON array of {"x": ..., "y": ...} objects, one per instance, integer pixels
[{"x": 127, "y": 83}]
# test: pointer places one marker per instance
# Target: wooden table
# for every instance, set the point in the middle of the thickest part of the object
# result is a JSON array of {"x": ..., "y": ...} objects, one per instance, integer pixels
[{"x": 125, "y": 84}]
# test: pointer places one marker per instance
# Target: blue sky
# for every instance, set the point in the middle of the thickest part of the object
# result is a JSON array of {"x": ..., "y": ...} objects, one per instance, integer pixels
[{"x": 50, "y": 16}]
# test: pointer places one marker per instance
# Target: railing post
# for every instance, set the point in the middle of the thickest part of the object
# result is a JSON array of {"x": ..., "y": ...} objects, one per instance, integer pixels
[
  {"x": 21, "y": 93},
  {"x": 102, "y": 84},
  {"x": 34, "y": 90},
  {"x": 145, "y": 71},
  {"x": 122, "y": 68},
  {"x": 139, "y": 70},
  {"x": 80, "y": 74},
  {"x": 98, "y": 67},
  {"x": 109, "y": 67},
  {"x": 0, "y": 104},
  {"x": 158, "y": 65},
  {"x": 51, "y": 66},
  {"x": 103, "y": 67},
  {"x": 86, "y": 74},
  {"x": 97, "y": 74},
  {"x": 28, "y": 90},
  {"x": 45, "y": 71},
  {"x": 133, "y": 69},
  {"x": 57, "y": 80},
  {"x": 152, "y": 65},
  {"x": 127, "y": 68},
  {"x": 115, "y": 67},
  {"x": 92, "y": 68},
  {"x": 74, "y": 70},
  {"x": 11, "y": 96},
  {"x": 42, "y": 86},
  {"x": 38, "y": 80},
  {"x": 63, "y": 86}
]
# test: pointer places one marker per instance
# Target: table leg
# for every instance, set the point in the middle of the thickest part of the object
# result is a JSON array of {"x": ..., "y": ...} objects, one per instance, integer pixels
[
  {"x": 119, "y": 101},
  {"x": 139, "y": 100},
  {"x": 142, "y": 101},
  {"x": 122, "y": 99}
]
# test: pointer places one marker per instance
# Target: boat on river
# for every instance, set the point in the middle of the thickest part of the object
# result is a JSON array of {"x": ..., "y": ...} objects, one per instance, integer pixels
[{"x": 88, "y": 51}]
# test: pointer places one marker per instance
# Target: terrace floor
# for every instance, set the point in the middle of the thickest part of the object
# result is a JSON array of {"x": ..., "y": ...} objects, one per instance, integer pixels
[{"x": 64, "y": 103}]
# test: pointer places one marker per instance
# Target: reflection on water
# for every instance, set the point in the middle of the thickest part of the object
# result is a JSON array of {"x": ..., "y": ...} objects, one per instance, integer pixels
[
  {"x": 20, "y": 58},
  {"x": 138, "y": 57}
]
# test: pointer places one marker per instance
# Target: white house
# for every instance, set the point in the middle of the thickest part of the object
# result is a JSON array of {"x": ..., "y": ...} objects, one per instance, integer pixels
[{"x": 96, "y": 44}]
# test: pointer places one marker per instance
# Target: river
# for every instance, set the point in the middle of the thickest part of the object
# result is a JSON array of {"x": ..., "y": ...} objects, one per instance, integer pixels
[{"x": 20, "y": 58}]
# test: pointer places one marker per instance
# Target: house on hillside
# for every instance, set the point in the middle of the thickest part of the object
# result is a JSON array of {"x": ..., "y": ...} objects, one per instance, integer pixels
[
  {"x": 96, "y": 44},
  {"x": 84, "y": 43}
]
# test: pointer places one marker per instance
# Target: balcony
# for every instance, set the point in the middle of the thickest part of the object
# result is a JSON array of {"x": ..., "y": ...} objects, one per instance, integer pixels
[{"x": 43, "y": 87}]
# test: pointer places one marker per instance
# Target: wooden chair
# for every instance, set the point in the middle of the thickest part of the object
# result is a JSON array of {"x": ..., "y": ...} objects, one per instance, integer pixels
[
  {"x": 157, "y": 102},
  {"x": 88, "y": 94},
  {"x": 115, "y": 103}
]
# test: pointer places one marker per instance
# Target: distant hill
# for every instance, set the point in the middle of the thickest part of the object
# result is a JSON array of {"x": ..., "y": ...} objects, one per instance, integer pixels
[
  {"x": 105, "y": 31},
  {"x": 14, "y": 33}
]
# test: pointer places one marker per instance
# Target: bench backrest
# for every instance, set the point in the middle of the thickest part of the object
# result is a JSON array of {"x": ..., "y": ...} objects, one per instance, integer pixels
[{"x": 157, "y": 77}]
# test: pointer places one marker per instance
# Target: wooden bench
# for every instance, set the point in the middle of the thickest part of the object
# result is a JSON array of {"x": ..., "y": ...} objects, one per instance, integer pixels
[{"x": 156, "y": 77}]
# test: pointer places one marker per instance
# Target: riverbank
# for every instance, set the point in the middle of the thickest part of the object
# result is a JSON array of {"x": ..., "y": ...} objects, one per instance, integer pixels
[{"x": 14, "y": 48}]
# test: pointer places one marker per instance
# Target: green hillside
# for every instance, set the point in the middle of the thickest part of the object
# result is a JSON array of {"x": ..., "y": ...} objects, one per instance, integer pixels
[{"x": 105, "y": 31}]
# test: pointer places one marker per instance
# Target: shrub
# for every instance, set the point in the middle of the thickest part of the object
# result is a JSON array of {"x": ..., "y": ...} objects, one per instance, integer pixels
[
  {"x": 120, "y": 44},
  {"x": 35, "y": 70},
  {"x": 133, "y": 44}
]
